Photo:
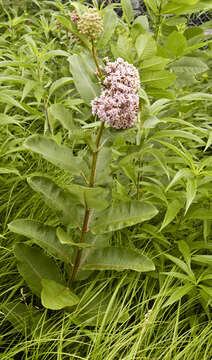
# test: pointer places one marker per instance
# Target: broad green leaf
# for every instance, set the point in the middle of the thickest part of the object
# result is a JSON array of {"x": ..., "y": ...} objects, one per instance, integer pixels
[
  {"x": 55, "y": 296},
  {"x": 142, "y": 20},
  {"x": 128, "y": 11},
  {"x": 66, "y": 239},
  {"x": 171, "y": 212},
  {"x": 34, "y": 266},
  {"x": 122, "y": 215},
  {"x": 109, "y": 25},
  {"x": 145, "y": 46},
  {"x": 58, "y": 155},
  {"x": 60, "y": 83},
  {"x": 178, "y": 293},
  {"x": 115, "y": 258},
  {"x": 160, "y": 93},
  {"x": 58, "y": 199},
  {"x": 155, "y": 63},
  {"x": 202, "y": 259},
  {"x": 94, "y": 242},
  {"x": 123, "y": 48},
  {"x": 93, "y": 198},
  {"x": 188, "y": 65},
  {"x": 86, "y": 85},
  {"x": 158, "y": 79},
  {"x": 176, "y": 43},
  {"x": 103, "y": 170},
  {"x": 191, "y": 189},
  {"x": 44, "y": 236},
  {"x": 63, "y": 115}
]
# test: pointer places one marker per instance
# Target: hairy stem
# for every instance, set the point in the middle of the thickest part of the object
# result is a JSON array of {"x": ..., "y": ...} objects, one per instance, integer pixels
[
  {"x": 138, "y": 179},
  {"x": 47, "y": 118},
  {"x": 159, "y": 21},
  {"x": 87, "y": 210},
  {"x": 95, "y": 59}
]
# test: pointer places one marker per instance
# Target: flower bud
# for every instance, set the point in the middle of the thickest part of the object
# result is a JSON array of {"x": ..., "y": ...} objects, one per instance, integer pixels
[{"x": 91, "y": 24}]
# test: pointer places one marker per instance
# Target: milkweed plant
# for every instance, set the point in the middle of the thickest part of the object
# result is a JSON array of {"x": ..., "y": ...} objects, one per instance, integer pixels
[{"x": 112, "y": 62}]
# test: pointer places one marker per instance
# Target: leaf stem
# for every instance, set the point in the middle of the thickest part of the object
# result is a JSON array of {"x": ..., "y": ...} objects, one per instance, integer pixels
[{"x": 87, "y": 210}]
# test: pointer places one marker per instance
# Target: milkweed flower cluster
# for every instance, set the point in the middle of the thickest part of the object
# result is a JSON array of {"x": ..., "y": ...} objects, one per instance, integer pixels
[
  {"x": 118, "y": 103},
  {"x": 90, "y": 24}
]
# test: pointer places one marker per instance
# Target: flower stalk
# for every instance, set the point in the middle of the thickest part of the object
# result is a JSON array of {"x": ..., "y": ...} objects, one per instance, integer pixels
[{"x": 87, "y": 210}]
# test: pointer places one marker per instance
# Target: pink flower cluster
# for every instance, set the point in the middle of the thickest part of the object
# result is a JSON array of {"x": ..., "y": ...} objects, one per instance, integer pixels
[{"x": 118, "y": 102}]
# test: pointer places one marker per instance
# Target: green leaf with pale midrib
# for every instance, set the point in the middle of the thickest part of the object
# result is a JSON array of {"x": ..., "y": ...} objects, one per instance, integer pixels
[
  {"x": 87, "y": 88},
  {"x": 55, "y": 296},
  {"x": 117, "y": 258},
  {"x": 44, "y": 236},
  {"x": 58, "y": 155},
  {"x": 58, "y": 199},
  {"x": 122, "y": 215},
  {"x": 34, "y": 266},
  {"x": 109, "y": 23},
  {"x": 188, "y": 65},
  {"x": 63, "y": 115}
]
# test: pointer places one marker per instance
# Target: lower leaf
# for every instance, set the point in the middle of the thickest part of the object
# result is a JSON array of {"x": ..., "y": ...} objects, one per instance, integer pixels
[{"x": 55, "y": 296}]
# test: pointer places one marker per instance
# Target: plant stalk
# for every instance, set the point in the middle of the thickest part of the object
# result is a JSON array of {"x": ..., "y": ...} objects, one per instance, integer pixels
[
  {"x": 159, "y": 21},
  {"x": 87, "y": 210},
  {"x": 95, "y": 60}
]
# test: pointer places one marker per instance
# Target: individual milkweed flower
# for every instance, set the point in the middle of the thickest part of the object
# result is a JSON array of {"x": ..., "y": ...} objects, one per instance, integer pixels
[
  {"x": 75, "y": 17},
  {"x": 91, "y": 24},
  {"x": 118, "y": 103}
]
